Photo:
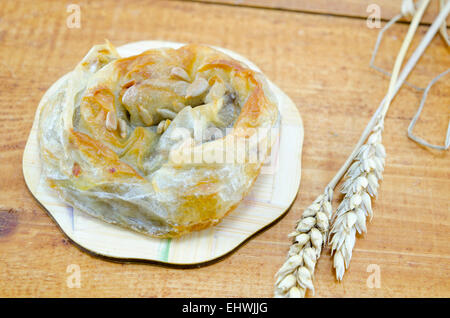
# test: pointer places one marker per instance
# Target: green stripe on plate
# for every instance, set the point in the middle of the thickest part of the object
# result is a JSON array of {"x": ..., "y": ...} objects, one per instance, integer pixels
[{"x": 164, "y": 250}]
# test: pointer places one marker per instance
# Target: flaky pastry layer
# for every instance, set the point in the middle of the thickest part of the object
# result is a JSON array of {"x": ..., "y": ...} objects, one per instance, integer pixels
[{"x": 164, "y": 143}]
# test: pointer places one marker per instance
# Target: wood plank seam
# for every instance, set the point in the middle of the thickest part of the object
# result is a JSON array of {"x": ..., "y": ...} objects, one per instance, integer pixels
[{"x": 262, "y": 7}]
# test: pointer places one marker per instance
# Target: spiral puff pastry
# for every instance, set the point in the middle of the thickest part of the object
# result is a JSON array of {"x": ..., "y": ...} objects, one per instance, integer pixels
[{"x": 123, "y": 139}]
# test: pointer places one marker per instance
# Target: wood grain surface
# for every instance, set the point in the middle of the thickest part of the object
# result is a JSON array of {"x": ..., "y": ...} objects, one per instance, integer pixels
[
  {"x": 322, "y": 63},
  {"x": 346, "y": 8}
]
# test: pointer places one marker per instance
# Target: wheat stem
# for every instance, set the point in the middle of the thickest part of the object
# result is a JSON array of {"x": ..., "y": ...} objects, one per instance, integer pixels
[
  {"x": 363, "y": 176},
  {"x": 296, "y": 274}
]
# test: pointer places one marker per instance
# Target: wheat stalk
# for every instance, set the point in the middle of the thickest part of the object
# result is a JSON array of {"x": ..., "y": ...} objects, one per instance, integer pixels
[
  {"x": 367, "y": 159},
  {"x": 365, "y": 173}
]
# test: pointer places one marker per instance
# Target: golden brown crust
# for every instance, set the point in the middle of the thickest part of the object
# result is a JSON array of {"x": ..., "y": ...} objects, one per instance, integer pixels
[{"x": 106, "y": 152}]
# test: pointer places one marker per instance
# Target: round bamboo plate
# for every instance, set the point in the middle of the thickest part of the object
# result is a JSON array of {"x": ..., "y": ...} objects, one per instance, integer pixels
[{"x": 272, "y": 194}]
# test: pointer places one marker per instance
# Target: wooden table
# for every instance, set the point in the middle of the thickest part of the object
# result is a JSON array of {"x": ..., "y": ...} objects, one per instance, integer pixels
[{"x": 319, "y": 55}]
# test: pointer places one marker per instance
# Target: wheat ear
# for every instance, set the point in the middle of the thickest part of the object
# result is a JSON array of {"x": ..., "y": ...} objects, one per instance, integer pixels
[
  {"x": 361, "y": 184},
  {"x": 365, "y": 173},
  {"x": 296, "y": 274},
  {"x": 292, "y": 282}
]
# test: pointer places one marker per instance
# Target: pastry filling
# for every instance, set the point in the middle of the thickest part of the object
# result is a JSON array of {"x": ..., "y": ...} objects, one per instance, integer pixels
[{"x": 151, "y": 94}]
